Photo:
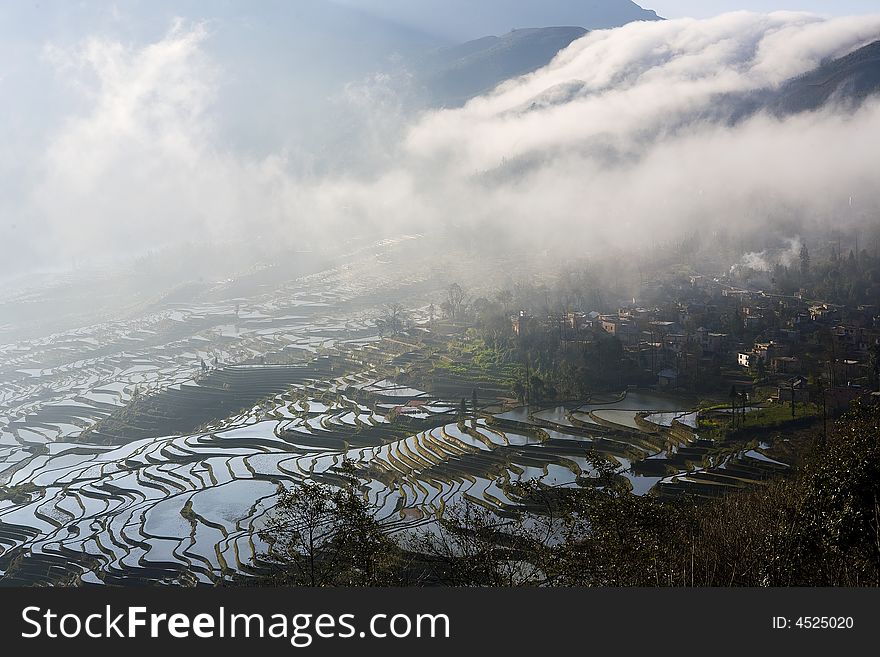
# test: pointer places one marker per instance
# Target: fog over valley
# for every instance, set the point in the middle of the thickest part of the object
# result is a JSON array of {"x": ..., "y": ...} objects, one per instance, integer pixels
[
  {"x": 398, "y": 261},
  {"x": 161, "y": 137}
]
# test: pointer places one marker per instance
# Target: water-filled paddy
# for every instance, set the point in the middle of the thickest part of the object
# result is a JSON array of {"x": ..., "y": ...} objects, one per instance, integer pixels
[{"x": 188, "y": 483}]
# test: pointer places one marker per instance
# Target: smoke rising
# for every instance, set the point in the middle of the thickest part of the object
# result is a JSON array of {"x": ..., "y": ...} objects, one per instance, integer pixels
[{"x": 764, "y": 261}]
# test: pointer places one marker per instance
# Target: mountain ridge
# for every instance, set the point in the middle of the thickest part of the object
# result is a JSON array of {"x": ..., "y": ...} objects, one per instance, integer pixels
[
  {"x": 850, "y": 79},
  {"x": 455, "y": 74},
  {"x": 464, "y": 20}
]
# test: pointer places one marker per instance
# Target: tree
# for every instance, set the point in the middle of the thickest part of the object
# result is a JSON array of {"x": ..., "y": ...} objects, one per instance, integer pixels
[
  {"x": 505, "y": 298},
  {"x": 519, "y": 390},
  {"x": 760, "y": 369},
  {"x": 805, "y": 263},
  {"x": 874, "y": 366},
  {"x": 817, "y": 526},
  {"x": 839, "y": 520},
  {"x": 472, "y": 546},
  {"x": 481, "y": 308},
  {"x": 394, "y": 320},
  {"x": 536, "y": 387},
  {"x": 324, "y": 535},
  {"x": 455, "y": 297}
]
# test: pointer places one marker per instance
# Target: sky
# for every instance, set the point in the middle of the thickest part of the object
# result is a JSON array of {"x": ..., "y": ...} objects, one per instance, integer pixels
[
  {"x": 463, "y": 20},
  {"x": 468, "y": 20},
  {"x": 708, "y": 8}
]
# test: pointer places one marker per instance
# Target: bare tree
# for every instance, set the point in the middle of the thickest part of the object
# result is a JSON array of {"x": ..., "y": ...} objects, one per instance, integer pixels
[
  {"x": 324, "y": 535},
  {"x": 454, "y": 303},
  {"x": 395, "y": 319}
]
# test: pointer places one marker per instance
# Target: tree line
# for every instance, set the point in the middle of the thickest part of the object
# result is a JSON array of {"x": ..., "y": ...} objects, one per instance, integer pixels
[{"x": 816, "y": 527}]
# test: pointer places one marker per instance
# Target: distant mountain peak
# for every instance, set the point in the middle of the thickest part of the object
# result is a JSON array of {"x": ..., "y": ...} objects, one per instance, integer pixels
[
  {"x": 455, "y": 74},
  {"x": 462, "y": 20}
]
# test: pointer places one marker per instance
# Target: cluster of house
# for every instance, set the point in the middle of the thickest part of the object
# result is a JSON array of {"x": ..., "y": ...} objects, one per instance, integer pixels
[
  {"x": 770, "y": 356},
  {"x": 847, "y": 334},
  {"x": 759, "y": 332}
]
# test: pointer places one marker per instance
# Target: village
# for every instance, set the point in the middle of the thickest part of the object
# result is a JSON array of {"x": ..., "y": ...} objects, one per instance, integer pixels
[{"x": 700, "y": 334}]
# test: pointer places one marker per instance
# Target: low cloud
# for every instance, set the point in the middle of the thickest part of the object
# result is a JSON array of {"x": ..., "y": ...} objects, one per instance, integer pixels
[
  {"x": 628, "y": 153},
  {"x": 618, "y": 141}
]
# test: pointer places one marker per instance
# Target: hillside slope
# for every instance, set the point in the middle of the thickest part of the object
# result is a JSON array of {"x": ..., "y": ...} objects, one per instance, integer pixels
[
  {"x": 453, "y": 75},
  {"x": 850, "y": 80}
]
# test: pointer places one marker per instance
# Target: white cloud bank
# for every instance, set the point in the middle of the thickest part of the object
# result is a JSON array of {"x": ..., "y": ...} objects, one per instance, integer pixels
[{"x": 612, "y": 142}]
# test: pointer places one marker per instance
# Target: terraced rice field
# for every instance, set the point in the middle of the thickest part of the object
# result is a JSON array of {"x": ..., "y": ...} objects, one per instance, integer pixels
[
  {"x": 151, "y": 449},
  {"x": 135, "y": 498},
  {"x": 186, "y": 508},
  {"x": 137, "y": 466}
]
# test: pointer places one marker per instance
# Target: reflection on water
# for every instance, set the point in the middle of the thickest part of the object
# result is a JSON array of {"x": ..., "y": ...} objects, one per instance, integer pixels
[
  {"x": 558, "y": 415},
  {"x": 616, "y": 409}
]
